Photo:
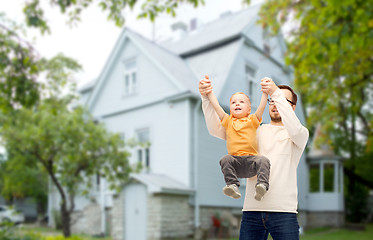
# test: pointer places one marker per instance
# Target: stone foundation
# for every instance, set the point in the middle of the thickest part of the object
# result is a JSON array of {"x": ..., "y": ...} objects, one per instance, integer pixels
[
  {"x": 324, "y": 219},
  {"x": 87, "y": 221}
]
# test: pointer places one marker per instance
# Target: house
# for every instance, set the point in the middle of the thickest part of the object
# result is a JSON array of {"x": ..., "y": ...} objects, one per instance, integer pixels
[{"x": 149, "y": 91}]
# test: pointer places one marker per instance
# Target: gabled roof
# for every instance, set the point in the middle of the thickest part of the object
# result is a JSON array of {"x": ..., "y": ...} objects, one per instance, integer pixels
[
  {"x": 215, "y": 33},
  {"x": 157, "y": 183},
  {"x": 175, "y": 67},
  {"x": 186, "y": 61},
  {"x": 169, "y": 63}
]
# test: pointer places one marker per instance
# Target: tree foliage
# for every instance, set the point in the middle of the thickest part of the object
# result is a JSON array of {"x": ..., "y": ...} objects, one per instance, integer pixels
[
  {"x": 331, "y": 47},
  {"x": 20, "y": 181},
  {"x": 18, "y": 68},
  {"x": 112, "y": 8}
]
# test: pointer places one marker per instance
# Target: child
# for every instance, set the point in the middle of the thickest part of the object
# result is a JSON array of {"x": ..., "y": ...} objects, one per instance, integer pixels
[{"x": 242, "y": 161}]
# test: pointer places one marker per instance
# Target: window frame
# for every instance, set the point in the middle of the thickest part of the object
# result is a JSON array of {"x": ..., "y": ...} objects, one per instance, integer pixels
[{"x": 130, "y": 75}]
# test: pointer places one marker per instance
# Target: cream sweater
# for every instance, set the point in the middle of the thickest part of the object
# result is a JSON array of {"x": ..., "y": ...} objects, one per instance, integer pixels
[{"x": 282, "y": 145}]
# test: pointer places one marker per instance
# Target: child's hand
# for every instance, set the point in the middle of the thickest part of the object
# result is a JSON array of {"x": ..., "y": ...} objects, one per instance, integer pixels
[
  {"x": 205, "y": 87},
  {"x": 268, "y": 86}
]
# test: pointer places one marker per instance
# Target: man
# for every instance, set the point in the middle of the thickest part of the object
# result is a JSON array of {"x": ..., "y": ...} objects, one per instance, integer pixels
[{"x": 282, "y": 142}]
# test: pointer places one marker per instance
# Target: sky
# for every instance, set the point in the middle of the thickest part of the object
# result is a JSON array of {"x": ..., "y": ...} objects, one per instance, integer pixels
[{"x": 92, "y": 40}]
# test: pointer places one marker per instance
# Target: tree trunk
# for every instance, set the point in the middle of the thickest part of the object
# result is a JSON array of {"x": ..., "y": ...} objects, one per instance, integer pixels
[{"x": 65, "y": 217}]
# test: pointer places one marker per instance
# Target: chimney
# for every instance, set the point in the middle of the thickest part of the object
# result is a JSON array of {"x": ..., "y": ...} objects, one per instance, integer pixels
[
  {"x": 225, "y": 14},
  {"x": 179, "y": 30},
  {"x": 193, "y": 24}
]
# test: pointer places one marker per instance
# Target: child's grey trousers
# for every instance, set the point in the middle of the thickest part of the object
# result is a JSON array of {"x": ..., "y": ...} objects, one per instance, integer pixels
[{"x": 234, "y": 167}]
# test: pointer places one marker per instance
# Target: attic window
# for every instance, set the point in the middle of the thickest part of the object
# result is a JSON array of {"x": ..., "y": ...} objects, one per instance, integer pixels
[{"x": 130, "y": 78}]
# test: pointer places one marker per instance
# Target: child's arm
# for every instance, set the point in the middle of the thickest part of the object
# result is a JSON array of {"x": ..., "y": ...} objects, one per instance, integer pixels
[
  {"x": 215, "y": 103},
  {"x": 259, "y": 111}
]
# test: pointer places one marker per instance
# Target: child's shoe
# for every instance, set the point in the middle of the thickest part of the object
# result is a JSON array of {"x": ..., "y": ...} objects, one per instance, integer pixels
[
  {"x": 232, "y": 191},
  {"x": 260, "y": 190}
]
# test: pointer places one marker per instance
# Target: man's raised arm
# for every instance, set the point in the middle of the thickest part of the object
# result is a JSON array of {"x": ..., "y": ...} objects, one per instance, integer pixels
[
  {"x": 211, "y": 117},
  {"x": 298, "y": 133}
]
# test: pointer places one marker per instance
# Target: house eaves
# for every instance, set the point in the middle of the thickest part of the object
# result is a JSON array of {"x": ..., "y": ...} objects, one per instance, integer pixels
[
  {"x": 211, "y": 46},
  {"x": 158, "y": 184},
  {"x": 173, "y": 98}
]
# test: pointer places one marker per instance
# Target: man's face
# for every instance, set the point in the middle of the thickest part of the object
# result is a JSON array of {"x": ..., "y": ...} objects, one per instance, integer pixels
[
  {"x": 240, "y": 106},
  {"x": 273, "y": 113}
]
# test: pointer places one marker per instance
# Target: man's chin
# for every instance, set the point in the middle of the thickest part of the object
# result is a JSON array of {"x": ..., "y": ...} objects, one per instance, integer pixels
[{"x": 276, "y": 119}]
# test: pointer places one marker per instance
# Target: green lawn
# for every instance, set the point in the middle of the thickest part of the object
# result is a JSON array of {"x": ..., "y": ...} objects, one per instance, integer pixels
[
  {"x": 336, "y": 234},
  {"x": 313, "y": 234},
  {"x": 45, "y": 231},
  {"x": 339, "y": 234}
]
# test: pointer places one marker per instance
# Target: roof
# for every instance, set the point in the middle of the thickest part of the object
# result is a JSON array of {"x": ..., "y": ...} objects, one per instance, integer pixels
[
  {"x": 158, "y": 183},
  {"x": 216, "y": 32},
  {"x": 320, "y": 149},
  {"x": 169, "y": 61}
]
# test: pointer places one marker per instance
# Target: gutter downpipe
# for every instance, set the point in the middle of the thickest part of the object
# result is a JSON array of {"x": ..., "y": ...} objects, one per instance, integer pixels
[{"x": 195, "y": 158}]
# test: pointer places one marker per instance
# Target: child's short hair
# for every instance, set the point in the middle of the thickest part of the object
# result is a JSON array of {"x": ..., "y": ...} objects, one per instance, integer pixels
[{"x": 239, "y": 93}]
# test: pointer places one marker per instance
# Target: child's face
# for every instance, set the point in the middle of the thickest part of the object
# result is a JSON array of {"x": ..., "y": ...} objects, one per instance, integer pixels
[{"x": 240, "y": 106}]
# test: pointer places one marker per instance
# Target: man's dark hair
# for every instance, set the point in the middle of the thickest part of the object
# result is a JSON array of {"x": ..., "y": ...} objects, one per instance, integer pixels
[{"x": 295, "y": 98}]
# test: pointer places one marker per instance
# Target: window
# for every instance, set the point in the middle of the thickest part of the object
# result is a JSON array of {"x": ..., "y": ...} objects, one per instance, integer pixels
[
  {"x": 143, "y": 151},
  {"x": 98, "y": 182},
  {"x": 266, "y": 44},
  {"x": 325, "y": 177},
  {"x": 328, "y": 177},
  {"x": 130, "y": 78},
  {"x": 250, "y": 77},
  {"x": 314, "y": 177}
]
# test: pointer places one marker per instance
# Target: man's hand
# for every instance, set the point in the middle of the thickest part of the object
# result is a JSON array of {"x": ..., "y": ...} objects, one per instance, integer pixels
[
  {"x": 205, "y": 86},
  {"x": 268, "y": 86}
]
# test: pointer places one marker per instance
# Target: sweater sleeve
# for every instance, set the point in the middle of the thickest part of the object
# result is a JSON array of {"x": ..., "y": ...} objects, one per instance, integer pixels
[
  {"x": 213, "y": 122},
  {"x": 298, "y": 133}
]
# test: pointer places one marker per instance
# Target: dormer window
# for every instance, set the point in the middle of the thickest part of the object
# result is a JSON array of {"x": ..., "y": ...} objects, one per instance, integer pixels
[{"x": 130, "y": 78}]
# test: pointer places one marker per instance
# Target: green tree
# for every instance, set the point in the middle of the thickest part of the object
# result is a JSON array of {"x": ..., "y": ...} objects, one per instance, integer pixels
[
  {"x": 113, "y": 8},
  {"x": 331, "y": 47},
  {"x": 65, "y": 143},
  {"x": 18, "y": 68},
  {"x": 69, "y": 145},
  {"x": 20, "y": 181}
]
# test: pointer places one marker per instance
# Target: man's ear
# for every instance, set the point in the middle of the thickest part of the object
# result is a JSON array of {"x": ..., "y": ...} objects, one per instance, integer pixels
[{"x": 294, "y": 106}]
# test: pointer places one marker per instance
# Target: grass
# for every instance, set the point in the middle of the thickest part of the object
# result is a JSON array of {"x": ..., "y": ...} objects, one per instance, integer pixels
[
  {"x": 335, "y": 234},
  {"x": 53, "y": 232},
  {"x": 339, "y": 234},
  {"x": 312, "y": 234}
]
